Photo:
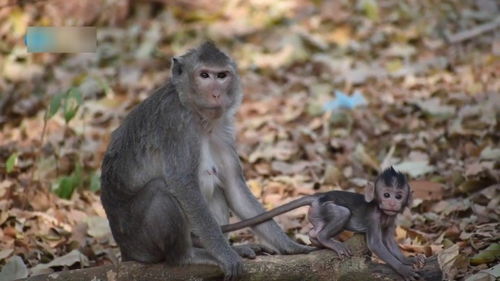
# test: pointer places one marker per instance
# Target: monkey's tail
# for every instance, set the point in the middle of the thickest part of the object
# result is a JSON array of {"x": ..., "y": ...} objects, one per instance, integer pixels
[{"x": 306, "y": 200}]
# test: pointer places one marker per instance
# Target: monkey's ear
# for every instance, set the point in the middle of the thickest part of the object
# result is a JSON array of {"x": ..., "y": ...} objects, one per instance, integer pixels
[
  {"x": 176, "y": 67},
  {"x": 369, "y": 192}
]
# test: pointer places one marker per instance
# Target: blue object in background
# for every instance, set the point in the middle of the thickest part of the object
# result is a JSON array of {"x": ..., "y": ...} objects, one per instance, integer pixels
[
  {"x": 342, "y": 100},
  {"x": 62, "y": 39},
  {"x": 39, "y": 39}
]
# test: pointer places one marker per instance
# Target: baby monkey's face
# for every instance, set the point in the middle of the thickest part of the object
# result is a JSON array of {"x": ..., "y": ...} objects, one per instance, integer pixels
[{"x": 392, "y": 199}]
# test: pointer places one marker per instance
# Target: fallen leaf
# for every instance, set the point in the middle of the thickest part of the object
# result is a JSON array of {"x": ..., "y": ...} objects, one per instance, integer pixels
[
  {"x": 14, "y": 269},
  {"x": 69, "y": 259},
  {"x": 98, "y": 227},
  {"x": 332, "y": 174},
  {"x": 434, "y": 108},
  {"x": 415, "y": 168},
  {"x": 289, "y": 169},
  {"x": 427, "y": 190},
  {"x": 365, "y": 158},
  {"x": 447, "y": 259},
  {"x": 481, "y": 276},
  {"x": 255, "y": 187},
  {"x": 490, "y": 153},
  {"x": 470, "y": 186},
  {"x": 5, "y": 253},
  {"x": 487, "y": 255}
]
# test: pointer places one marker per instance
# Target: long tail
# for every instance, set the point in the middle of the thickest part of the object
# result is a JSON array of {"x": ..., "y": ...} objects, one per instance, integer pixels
[{"x": 306, "y": 200}]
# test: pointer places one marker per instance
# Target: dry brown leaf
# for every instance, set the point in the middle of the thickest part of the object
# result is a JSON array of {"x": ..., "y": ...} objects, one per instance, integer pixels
[{"x": 427, "y": 190}]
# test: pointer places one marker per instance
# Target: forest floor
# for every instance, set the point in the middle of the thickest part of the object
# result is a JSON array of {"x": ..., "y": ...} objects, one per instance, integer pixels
[{"x": 335, "y": 91}]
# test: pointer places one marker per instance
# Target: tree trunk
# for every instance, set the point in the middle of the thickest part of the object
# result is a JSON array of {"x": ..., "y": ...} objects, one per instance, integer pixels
[{"x": 320, "y": 265}]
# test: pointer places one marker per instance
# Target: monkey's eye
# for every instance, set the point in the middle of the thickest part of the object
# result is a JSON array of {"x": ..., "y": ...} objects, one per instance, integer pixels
[
  {"x": 387, "y": 195},
  {"x": 398, "y": 196},
  {"x": 204, "y": 75},
  {"x": 221, "y": 75}
]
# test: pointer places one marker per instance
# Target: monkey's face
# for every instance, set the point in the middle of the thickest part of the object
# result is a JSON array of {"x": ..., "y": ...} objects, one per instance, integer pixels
[
  {"x": 391, "y": 199},
  {"x": 213, "y": 87}
]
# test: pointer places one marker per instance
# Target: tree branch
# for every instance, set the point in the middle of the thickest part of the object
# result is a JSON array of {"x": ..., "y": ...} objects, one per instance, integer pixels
[{"x": 320, "y": 265}]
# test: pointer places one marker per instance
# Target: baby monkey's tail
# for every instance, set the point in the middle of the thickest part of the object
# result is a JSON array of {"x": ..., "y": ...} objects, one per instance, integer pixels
[{"x": 303, "y": 201}]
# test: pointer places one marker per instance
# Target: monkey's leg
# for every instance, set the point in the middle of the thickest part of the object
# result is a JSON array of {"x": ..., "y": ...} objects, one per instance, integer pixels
[
  {"x": 248, "y": 251},
  {"x": 220, "y": 212},
  {"x": 158, "y": 230},
  {"x": 200, "y": 256},
  {"x": 334, "y": 217}
]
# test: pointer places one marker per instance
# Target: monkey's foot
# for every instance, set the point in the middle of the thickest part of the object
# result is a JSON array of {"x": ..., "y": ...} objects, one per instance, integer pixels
[
  {"x": 338, "y": 247},
  {"x": 418, "y": 261},
  {"x": 294, "y": 248},
  {"x": 408, "y": 273},
  {"x": 250, "y": 251}
]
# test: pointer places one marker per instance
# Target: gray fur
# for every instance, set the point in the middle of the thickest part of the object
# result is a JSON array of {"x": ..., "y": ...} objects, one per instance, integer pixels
[
  {"x": 334, "y": 211},
  {"x": 157, "y": 186}
]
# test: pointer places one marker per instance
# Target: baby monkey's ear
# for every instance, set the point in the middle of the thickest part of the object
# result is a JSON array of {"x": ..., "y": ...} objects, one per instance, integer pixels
[{"x": 369, "y": 192}]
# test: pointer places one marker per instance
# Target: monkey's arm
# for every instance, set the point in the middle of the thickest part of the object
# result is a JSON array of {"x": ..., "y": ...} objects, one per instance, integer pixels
[
  {"x": 306, "y": 200},
  {"x": 375, "y": 243},
  {"x": 393, "y": 247}
]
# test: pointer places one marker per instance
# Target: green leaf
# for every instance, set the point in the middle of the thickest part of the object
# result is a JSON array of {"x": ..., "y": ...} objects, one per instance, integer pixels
[
  {"x": 65, "y": 188},
  {"x": 487, "y": 255},
  {"x": 55, "y": 104},
  {"x": 11, "y": 162},
  {"x": 68, "y": 184},
  {"x": 77, "y": 173},
  {"x": 68, "y": 115},
  {"x": 95, "y": 182},
  {"x": 105, "y": 86},
  {"x": 370, "y": 7},
  {"x": 72, "y": 102},
  {"x": 76, "y": 94}
]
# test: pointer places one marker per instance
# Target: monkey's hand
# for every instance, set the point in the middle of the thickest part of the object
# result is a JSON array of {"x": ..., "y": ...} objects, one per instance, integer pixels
[
  {"x": 407, "y": 272},
  {"x": 231, "y": 264},
  {"x": 250, "y": 251}
]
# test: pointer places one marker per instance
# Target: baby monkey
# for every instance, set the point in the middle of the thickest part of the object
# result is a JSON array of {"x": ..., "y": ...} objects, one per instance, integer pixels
[{"x": 373, "y": 214}]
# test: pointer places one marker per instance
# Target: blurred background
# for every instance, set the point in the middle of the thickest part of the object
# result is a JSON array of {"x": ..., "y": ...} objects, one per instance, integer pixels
[{"x": 334, "y": 92}]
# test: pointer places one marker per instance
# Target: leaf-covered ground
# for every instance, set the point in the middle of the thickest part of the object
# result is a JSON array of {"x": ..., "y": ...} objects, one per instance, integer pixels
[{"x": 334, "y": 92}]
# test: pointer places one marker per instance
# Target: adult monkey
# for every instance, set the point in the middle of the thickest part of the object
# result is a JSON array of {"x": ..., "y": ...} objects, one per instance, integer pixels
[
  {"x": 373, "y": 214},
  {"x": 171, "y": 170}
]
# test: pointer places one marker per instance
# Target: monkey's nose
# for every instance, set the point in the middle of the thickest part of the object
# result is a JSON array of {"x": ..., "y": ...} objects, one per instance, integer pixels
[{"x": 216, "y": 95}]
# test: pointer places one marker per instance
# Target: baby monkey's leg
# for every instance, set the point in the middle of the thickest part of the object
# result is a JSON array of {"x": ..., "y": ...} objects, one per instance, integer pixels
[{"x": 328, "y": 220}]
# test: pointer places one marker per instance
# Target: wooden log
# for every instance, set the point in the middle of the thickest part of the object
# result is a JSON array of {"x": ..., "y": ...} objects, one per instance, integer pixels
[{"x": 320, "y": 265}]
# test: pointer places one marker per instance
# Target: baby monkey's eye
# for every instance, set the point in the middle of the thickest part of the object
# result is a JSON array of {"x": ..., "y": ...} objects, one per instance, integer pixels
[
  {"x": 387, "y": 195},
  {"x": 398, "y": 196},
  {"x": 204, "y": 75},
  {"x": 221, "y": 75}
]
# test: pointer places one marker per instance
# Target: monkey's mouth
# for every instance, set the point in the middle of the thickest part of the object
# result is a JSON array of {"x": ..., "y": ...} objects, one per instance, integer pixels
[
  {"x": 213, "y": 107},
  {"x": 390, "y": 212}
]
